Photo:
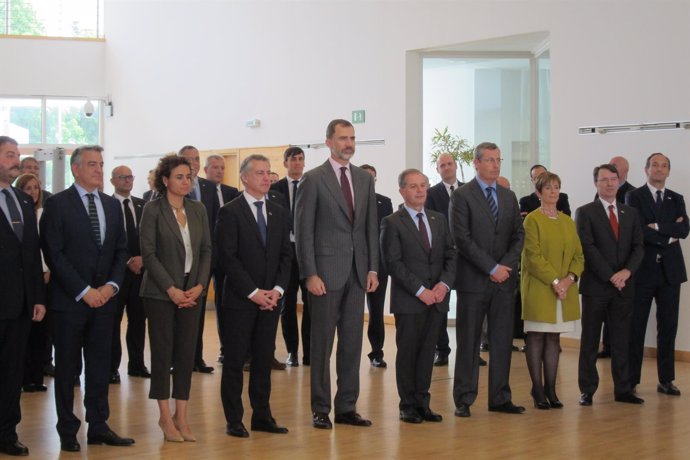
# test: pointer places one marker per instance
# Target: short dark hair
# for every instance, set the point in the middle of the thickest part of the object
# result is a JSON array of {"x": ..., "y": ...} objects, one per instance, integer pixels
[
  {"x": 402, "y": 177},
  {"x": 608, "y": 167},
  {"x": 75, "y": 158},
  {"x": 185, "y": 148},
  {"x": 25, "y": 160},
  {"x": 537, "y": 166},
  {"x": 291, "y": 152},
  {"x": 647, "y": 164},
  {"x": 7, "y": 140},
  {"x": 368, "y": 167},
  {"x": 330, "y": 130},
  {"x": 165, "y": 167},
  {"x": 479, "y": 149},
  {"x": 546, "y": 178}
]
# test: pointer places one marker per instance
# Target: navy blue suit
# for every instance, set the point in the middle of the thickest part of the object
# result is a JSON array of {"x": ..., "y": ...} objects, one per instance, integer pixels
[{"x": 76, "y": 261}]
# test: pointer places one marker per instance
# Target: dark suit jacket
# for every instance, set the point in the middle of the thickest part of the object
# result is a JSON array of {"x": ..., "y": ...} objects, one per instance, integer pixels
[
  {"x": 531, "y": 202},
  {"x": 71, "y": 251},
  {"x": 410, "y": 267},
  {"x": 604, "y": 255},
  {"x": 149, "y": 195},
  {"x": 656, "y": 242},
  {"x": 209, "y": 196},
  {"x": 247, "y": 263},
  {"x": 437, "y": 198},
  {"x": 162, "y": 248},
  {"x": 282, "y": 187},
  {"x": 21, "y": 283},
  {"x": 327, "y": 242},
  {"x": 138, "y": 204},
  {"x": 482, "y": 243},
  {"x": 384, "y": 208}
]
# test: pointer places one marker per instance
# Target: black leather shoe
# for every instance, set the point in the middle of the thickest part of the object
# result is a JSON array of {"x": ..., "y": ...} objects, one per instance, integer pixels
[
  {"x": 268, "y": 426},
  {"x": 507, "y": 408},
  {"x": 482, "y": 361},
  {"x": 410, "y": 416},
  {"x": 34, "y": 388},
  {"x": 143, "y": 373},
  {"x": 428, "y": 415},
  {"x": 306, "y": 361},
  {"x": 237, "y": 430},
  {"x": 484, "y": 347},
  {"x": 115, "y": 377},
  {"x": 554, "y": 402},
  {"x": 277, "y": 365},
  {"x": 292, "y": 360},
  {"x": 604, "y": 354},
  {"x": 321, "y": 420},
  {"x": 441, "y": 360},
  {"x": 586, "y": 399},
  {"x": 629, "y": 398},
  {"x": 378, "y": 362},
  {"x": 69, "y": 444},
  {"x": 202, "y": 368},
  {"x": 352, "y": 418},
  {"x": 515, "y": 348},
  {"x": 16, "y": 449},
  {"x": 463, "y": 410},
  {"x": 668, "y": 388},
  {"x": 110, "y": 438}
]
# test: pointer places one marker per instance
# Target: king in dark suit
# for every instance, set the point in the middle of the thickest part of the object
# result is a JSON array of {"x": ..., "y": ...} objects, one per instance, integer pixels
[
  {"x": 84, "y": 244},
  {"x": 488, "y": 233},
  {"x": 253, "y": 246},
  {"x": 664, "y": 222},
  {"x": 611, "y": 239},
  {"x": 22, "y": 290},
  {"x": 420, "y": 257}
]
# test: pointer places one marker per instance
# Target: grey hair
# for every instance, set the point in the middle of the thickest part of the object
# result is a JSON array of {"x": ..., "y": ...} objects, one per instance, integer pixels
[
  {"x": 479, "y": 149},
  {"x": 246, "y": 163},
  {"x": 402, "y": 178},
  {"x": 79, "y": 151},
  {"x": 214, "y": 157}
]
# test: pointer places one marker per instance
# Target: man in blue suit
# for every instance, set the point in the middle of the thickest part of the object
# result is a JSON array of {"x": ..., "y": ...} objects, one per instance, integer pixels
[{"x": 84, "y": 244}]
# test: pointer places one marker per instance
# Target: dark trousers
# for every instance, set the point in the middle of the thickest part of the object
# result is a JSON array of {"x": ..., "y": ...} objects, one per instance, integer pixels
[
  {"x": 13, "y": 338},
  {"x": 248, "y": 330},
  {"x": 218, "y": 281},
  {"x": 617, "y": 312},
  {"x": 35, "y": 352},
  {"x": 128, "y": 298},
  {"x": 91, "y": 330},
  {"x": 376, "y": 330},
  {"x": 414, "y": 361},
  {"x": 443, "y": 342},
  {"x": 497, "y": 305},
  {"x": 288, "y": 314},
  {"x": 667, "y": 297},
  {"x": 199, "y": 351},
  {"x": 341, "y": 310},
  {"x": 172, "y": 336}
]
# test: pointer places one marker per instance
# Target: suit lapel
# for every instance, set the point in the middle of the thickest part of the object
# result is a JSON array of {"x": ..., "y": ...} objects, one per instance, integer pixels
[
  {"x": 436, "y": 226},
  {"x": 481, "y": 198},
  {"x": 251, "y": 220},
  {"x": 169, "y": 217},
  {"x": 333, "y": 185},
  {"x": 601, "y": 214},
  {"x": 82, "y": 214},
  {"x": 359, "y": 185},
  {"x": 411, "y": 226}
]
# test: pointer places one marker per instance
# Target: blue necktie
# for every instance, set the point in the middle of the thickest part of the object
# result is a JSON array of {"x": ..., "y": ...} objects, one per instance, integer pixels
[
  {"x": 492, "y": 203},
  {"x": 261, "y": 221},
  {"x": 15, "y": 216}
]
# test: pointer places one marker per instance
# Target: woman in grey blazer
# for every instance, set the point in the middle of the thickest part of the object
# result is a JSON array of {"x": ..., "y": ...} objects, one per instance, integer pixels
[{"x": 176, "y": 250}]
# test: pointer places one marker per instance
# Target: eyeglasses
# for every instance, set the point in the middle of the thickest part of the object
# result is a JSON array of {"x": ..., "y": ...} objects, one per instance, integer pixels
[{"x": 130, "y": 177}]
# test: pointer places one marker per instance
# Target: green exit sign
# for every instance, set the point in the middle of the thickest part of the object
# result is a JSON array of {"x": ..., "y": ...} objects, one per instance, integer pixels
[{"x": 358, "y": 116}]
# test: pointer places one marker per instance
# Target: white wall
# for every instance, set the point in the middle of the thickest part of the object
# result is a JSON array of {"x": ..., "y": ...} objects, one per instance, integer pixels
[{"x": 193, "y": 72}]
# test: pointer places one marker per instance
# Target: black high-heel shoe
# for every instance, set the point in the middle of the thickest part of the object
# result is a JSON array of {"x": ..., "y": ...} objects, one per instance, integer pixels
[
  {"x": 554, "y": 402},
  {"x": 540, "y": 404}
]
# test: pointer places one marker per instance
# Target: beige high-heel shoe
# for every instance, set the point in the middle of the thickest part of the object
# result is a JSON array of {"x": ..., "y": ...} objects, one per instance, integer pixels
[
  {"x": 171, "y": 435},
  {"x": 186, "y": 434}
]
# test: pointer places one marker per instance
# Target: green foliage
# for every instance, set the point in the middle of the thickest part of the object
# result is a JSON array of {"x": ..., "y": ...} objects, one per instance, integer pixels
[
  {"x": 23, "y": 18},
  {"x": 69, "y": 127},
  {"x": 458, "y": 147}
]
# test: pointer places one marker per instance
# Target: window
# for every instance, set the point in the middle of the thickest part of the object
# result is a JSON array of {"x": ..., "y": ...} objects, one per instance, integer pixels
[{"x": 51, "y": 18}]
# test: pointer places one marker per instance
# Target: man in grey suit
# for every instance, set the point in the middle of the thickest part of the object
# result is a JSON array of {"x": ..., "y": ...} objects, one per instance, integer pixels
[
  {"x": 487, "y": 228},
  {"x": 420, "y": 258},
  {"x": 338, "y": 254}
]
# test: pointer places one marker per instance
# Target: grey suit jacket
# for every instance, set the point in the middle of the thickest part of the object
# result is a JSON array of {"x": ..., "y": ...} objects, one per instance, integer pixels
[
  {"x": 326, "y": 240},
  {"x": 409, "y": 266},
  {"x": 162, "y": 248},
  {"x": 480, "y": 241}
]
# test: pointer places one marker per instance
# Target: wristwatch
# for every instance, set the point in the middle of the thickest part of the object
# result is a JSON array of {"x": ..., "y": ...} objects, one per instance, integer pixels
[{"x": 555, "y": 282}]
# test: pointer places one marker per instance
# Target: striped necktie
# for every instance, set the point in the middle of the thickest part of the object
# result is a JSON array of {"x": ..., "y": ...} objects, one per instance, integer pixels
[
  {"x": 492, "y": 203},
  {"x": 93, "y": 217}
]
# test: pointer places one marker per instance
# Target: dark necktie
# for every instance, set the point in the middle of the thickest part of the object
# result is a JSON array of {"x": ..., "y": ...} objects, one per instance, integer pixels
[
  {"x": 131, "y": 230},
  {"x": 492, "y": 203},
  {"x": 261, "y": 221},
  {"x": 292, "y": 205},
  {"x": 347, "y": 192},
  {"x": 423, "y": 233},
  {"x": 452, "y": 187},
  {"x": 659, "y": 200},
  {"x": 93, "y": 217},
  {"x": 614, "y": 221},
  {"x": 15, "y": 216}
]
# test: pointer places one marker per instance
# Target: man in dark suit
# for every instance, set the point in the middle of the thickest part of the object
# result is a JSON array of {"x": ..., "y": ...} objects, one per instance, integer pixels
[
  {"x": 531, "y": 202},
  {"x": 611, "y": 239},
  {"x": 128, "y": 296},
  {"x": 151, "y": 193},
  {"x": 253, "y": 246},
  {"x": 438, "y": 199},
  {"x": 664, "y": 222},
  {"x": 488, "y": 233},
  {"x": 84, "y": 244},
  {"x": 214, "y": 195},
  {"x": 376, "y": 329},
  {"x": 420, "y": 257},
  {"x": 22, "y": 290},
  {"x": 29, "y": 165},
  {"x": 293, "y": 160},
  {"x": 338, "y": 255}
]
